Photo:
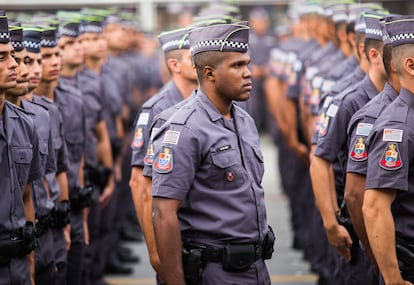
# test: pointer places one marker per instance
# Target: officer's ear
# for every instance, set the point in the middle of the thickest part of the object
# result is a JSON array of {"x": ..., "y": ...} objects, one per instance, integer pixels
[
  {"x": 173, "y": 65},
  {"x": 209, "y": 73},
  {"x": 409, "y": 65}
]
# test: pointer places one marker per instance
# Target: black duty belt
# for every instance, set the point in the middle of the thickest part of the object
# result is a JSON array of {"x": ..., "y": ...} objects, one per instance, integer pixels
[{"x": 215, "y": 254}]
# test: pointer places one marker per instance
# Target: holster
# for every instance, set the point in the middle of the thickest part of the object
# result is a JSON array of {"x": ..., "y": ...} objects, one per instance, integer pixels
[
  {"x": 81, "y": 197},
  {"x": 42, "y": 225},
  {"x": 192, "y": 266},
  {"x": 345, "y": 221},
  {"x": 405, "y": 255},
  {"x": 97, "y": 175},
  {"x": 60, "y": 215},
  {"x": 21, "y": 243},
  {"x": 116, "y": 145}
]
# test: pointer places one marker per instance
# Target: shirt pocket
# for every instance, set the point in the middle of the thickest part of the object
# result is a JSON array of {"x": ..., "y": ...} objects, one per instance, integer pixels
[
  {"x": 227, "y": 171},
  {"x": 22, "y": 157},
  {"x": 258, "y": 167},
  {"x": 75, "y": 146}
]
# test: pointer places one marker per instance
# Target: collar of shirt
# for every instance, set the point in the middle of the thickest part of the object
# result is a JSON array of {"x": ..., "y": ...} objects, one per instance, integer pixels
[
  {"x": 407, "y": 97},
  {"x": 211, "y": 109},
  {"x": 369, "y": 87},
  {"x": 390, "y": 91}
]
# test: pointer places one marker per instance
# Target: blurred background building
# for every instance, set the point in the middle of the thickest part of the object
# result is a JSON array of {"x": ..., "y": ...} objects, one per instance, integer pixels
[{"x": 158, "y": 15}]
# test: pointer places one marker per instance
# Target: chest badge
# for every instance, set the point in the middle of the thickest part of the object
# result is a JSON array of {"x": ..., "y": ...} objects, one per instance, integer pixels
[
  {"x": 164, "y": 163},
  {"x": 138, "y": 140},
  {"x": 359, "y": 153},
  {"x": 230, "y": 176},
  {"x": 391, "y": 159}
]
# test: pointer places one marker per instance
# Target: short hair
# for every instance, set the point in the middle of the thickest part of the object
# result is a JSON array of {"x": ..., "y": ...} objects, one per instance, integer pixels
[
  {"x": 371, "y": 43},
  {"x": 399, "y": 54},
  {"x": 386, "y": 58},
  {"x": 173, "y": 54},
  {"x": 359, "y": 38},
  {"x": 207, "y": 58}
]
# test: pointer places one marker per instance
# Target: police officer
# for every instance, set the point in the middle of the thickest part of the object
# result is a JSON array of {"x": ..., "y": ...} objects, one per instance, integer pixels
[
  {"x": 98, "y": 156},
  {"x": 262, "y": 39},
  {"x": 57, "y": 182},
  {"x": 20, "y": 166},
  {"x": 175, "y": 45},
  {"x": 44, "y": 256},
  {"x": 358, "y": 129},
  {"x": 328, "y": 166},
  {"x": 68, "y": 97},
  {"x": 211, "y": 144},
  {"x": 387, "y": 206}
]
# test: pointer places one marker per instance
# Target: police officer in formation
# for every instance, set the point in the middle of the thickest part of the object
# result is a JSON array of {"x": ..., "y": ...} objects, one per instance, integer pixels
[
  {"x": 353, "y": 103},
  {"x": 56, "y": 153}
]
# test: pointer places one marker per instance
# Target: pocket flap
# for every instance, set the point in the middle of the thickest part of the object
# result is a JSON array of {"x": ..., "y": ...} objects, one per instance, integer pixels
[
  {"x": 224, "y": 159},
  {"x": 22, "y": 155}
]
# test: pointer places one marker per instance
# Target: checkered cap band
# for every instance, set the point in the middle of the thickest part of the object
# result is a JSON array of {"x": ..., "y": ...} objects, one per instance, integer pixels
[
  {"x": 360, "y": 27},
  {"x": 402, "y": 38},
  {"x": 18, "y": 46},
  {"x": 91, "y": 29},
  {"x": 48, "y": 43},
  {"x": 373, "y": 33},
  {"x": 337, "y": 18},
  {"x": 219, "y": 45},
  {"x": 31, "y": 45},
  {"x": 67, "y": 32},
  {"x": 176, "y": 44},
  {"x": 5, "y": 36}
]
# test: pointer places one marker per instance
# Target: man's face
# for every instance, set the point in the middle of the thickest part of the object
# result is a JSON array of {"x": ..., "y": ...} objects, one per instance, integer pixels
[
  {"x": 71, "y": 51},
  {"x": 97, "y": 46},
  {"x": 84, "y": 40},
  {"x": 22, "y": 87},
  {"x": 35, "y": 69},
  {"x": 51, "y": 63},
  {"x": 187, "y": 69},
  {"x": 233, "y": 77},
  {"x": 8, "y": 73},
  {"x": 115, "y": 36}
]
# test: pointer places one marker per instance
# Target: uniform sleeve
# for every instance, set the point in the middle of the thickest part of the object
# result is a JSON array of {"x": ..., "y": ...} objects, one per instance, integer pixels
[
  {"x": 332, "y": 131},
  {"x": 140, "y": 141},
  {"x": 389, "y": 161},
  {"x": 51, "y": 159},
  {"x": 175, "y": 164},
  {"x": 35, "y": 164}
]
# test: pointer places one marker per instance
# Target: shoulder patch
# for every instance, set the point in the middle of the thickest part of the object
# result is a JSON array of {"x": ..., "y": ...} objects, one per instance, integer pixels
[
  {"x": 138, "y": 140},
  {"x": 392, "y": 135},
  {"x": 171, "y": 137},
  {"x": 359, "y": 152},
  {"x": 332, "y": 110},
  {"x": 363, "y": 129},
  {"x": 323, "y": 124},
  {"x": 149, "y": 156},
  {"x": 164, "y": 162},
  {"x": 391, "y": 159},
  {"x": 143, "y": 119}
]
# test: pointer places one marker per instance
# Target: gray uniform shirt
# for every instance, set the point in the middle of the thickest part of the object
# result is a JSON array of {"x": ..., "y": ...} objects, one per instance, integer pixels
[
  {"x": 59, "y": 145},
  {"x": 89, "y": 84},
  {"x": 19, "y": 165},
  {"x": 169, "y": 96},
  {"x": 332, "y": 144},
  {"x": 360, "y": 126},
  {"x": 69, "y": 99},
  {"x": 391, "y": 159},
  {"x": 215, "y": 166},
  {"x": 43, "y": 205}
]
